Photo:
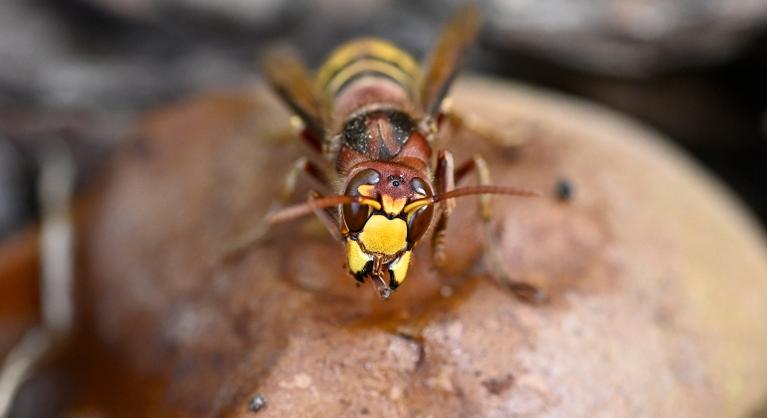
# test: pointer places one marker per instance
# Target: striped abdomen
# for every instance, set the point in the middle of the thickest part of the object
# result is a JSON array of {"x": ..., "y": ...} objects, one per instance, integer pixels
[{"x": 366, "y": 72}]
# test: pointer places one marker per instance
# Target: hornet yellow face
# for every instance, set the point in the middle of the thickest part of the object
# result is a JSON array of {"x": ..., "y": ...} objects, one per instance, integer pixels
[{"x": 380, "y": 238}]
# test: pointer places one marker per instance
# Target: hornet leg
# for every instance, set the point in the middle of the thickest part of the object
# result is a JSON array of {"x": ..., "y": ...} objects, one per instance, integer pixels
[
  {"x": 444, "y": 183},
  {"x": 301, "y": 167},
  {"x": 515, "y": 135},
  {"x": 326, "y": 217},
  {"x": 492, "y": 257}
]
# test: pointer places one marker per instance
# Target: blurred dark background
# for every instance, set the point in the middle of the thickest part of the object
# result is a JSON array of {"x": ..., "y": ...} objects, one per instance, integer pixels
[{"x": 82, "y": 71}]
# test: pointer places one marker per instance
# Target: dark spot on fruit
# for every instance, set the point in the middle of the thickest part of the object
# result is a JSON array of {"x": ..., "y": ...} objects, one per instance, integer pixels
[
  {"x": 564, "y": 190},
  {"x": 257, "y": 403},
  {"x": 496, "y": 386}
]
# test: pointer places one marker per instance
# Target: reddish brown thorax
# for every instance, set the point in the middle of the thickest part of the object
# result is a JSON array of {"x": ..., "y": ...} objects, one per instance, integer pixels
[{"x": 385, "y": 135}]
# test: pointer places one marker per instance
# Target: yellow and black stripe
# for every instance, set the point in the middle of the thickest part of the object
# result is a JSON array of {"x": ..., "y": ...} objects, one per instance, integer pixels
[{"x": 366, "y": 57}]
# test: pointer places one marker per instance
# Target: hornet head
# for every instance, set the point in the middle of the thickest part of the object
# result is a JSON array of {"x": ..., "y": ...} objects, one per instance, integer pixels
[{"x": 380, "y": 234}]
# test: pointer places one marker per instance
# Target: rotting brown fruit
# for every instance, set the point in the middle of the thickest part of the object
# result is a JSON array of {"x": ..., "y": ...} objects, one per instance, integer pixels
[{"x": 656, "y": 281}]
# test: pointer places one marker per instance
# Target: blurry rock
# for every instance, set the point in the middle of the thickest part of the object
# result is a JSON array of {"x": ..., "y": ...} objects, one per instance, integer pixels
[
  {"x": 79, "y": 59},
  {"x": 243, "y": 11},
  {"x": 656, "y": 278},
  {"x": 627, "y": 37},
  {"x": 614, "y": 37},
  {"x": 13, "y": 198},
  {"x": 27, "y": 134}
]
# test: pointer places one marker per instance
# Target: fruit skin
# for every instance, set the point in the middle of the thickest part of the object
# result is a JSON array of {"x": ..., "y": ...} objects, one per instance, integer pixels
[{"x": 656, "y": 279}]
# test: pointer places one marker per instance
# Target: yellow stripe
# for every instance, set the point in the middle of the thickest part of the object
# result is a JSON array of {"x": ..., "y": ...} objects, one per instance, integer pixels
[
  {"x": 365, "y": 65},
  {"x": 399, "y": 64}
]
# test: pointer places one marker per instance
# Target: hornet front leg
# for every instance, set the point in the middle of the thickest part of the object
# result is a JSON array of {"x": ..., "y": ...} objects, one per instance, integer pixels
[
  {"x": 446, "y": 178},
  {"x": 302, "y": 167}
]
